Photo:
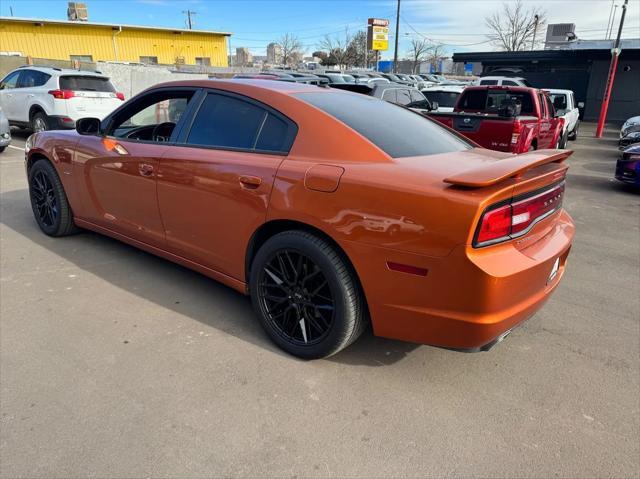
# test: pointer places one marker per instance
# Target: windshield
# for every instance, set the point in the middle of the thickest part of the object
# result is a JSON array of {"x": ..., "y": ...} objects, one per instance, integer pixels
[
  {"x": 86, "y": 83},
  {"x": 349, "y": 78},
  {"x": 396, "y": 130},
  {"x": 443, "y": 98}
]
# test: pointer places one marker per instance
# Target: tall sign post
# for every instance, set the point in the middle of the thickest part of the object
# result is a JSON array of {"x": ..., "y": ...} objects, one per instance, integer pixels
[
  {"x": 615, "y": 53},
  {"x": 378, "y": 36}
]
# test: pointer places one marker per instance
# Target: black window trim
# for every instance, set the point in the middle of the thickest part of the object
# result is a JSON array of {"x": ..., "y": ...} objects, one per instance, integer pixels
[
  {"x": 108, "y": 121},
  {"x": 292, "y": 130}
]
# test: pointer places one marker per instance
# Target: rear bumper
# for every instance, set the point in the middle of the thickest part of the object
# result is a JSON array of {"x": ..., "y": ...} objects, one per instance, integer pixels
[{"x": 472, "y": 297}]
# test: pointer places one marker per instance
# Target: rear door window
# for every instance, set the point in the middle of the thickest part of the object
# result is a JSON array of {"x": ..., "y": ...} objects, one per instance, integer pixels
[
  {"x": 33, "y": 78},
  {"x": 404, "y": 97},
  {"x": 86, "y": 83},
  {"x": 488, "y": 82},
  {"x": 227, "y": 122},
  {"x": 390, "y": 95},
  {"x": 509, "y": 83}
]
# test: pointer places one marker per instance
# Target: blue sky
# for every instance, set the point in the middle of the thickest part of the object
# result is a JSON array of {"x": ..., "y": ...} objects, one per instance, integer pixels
[{"x": 458, "y": 24}]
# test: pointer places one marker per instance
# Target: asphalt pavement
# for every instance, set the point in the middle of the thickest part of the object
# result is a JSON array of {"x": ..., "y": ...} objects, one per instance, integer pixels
[{"x": 115, "y": 363}]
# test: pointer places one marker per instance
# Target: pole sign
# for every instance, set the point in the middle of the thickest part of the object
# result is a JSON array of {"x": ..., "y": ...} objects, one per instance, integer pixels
[{"x": 378, "y": 34}]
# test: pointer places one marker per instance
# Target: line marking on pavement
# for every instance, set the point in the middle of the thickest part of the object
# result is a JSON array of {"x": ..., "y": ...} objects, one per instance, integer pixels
[{"x": 16, "y": 147}]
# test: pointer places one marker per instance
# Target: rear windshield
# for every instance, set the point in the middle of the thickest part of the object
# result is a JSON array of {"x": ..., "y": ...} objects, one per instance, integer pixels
[
  {"x": 491, "y": 101},
  {"x": 443, "y": 98},
  {"x": 86, "y": 83},
  {"x": 395, "y": 130}
]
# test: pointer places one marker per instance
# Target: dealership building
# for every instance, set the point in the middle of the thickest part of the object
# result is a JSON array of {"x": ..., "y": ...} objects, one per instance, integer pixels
[
  {"x": 90, "y": 42},
  {"x": 581, "y": 66}
]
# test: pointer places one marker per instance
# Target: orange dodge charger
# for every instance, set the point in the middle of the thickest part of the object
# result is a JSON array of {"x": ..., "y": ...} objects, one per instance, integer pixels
[{"x": 331, "y": 209}]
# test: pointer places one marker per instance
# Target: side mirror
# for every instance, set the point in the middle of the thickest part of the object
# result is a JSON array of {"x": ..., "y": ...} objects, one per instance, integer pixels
[
  {"x": 88, "y": 126},
  {"x": 580, "y": 104}
]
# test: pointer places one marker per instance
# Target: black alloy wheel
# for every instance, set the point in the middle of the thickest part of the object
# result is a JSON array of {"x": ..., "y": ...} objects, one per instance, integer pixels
[
  {"x": 306, "y": 295},
  {"x": 296, "y": 297},
  {"x": 44, "y": 199},
  {"x": 48, "y": 200}
]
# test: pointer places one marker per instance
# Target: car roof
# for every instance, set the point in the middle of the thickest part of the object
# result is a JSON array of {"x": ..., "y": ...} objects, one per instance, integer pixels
[
  {"x": 557, "y": 90},
  {"x": 59, "y": 71},
  {"x": 499, "y": 87},
  {"x": 501, "y": 77},
  {"x": 258, "y": 84}
]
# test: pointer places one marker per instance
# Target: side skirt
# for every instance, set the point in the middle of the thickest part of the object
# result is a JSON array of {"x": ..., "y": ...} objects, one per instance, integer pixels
[{"x": 227, "y": 280}]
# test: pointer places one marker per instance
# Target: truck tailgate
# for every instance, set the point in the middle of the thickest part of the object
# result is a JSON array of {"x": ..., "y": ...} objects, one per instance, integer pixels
[{"x": 489, "y": 131}]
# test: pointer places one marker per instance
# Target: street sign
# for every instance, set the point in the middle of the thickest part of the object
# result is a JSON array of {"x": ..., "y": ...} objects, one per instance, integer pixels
[{"x": 378, "y": 34}]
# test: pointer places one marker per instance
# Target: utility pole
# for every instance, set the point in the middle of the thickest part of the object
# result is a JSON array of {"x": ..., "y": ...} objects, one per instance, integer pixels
[
  {"x": 536, "y": 18},
  {"x": 615, "y": 53},
  {"x": 188, "y": 13},
  {"x": 395, "y": 50}
]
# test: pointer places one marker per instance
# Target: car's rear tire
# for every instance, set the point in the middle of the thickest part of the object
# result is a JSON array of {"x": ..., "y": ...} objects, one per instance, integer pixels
[
  {"x": 2, "y": 148},
  {"x": 573, "y": 136},
  {"x": 306, "y": 295},
  {"x": 48, "y": 200},
  {"x": 39, "y": 122}
]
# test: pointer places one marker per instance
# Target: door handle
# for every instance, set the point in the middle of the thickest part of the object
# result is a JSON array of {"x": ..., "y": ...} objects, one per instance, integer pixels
[
  {"x": 30, "y": 95},
  {"x": 250, "y": 182},
  {"x": 145, "y": 169}
]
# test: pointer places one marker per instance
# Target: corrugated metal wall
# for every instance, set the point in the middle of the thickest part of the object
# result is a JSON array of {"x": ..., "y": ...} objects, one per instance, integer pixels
[{"x": 59, "y": 42}]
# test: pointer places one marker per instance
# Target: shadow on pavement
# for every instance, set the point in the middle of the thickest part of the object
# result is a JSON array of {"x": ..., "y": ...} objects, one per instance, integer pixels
[{"x": 174, "y": 287}]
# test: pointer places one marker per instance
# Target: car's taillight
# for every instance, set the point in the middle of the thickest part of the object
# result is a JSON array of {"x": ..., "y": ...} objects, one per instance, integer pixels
[
  {"x": 516, "y": 218},
  {"x": 120, "y": 96},
  {"x": 517, "y": 129},
  {"x": 61, "y": 94}
]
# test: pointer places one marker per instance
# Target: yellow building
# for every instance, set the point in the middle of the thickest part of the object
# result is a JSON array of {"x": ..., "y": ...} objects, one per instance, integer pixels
[{"x": 88, "y": 41}]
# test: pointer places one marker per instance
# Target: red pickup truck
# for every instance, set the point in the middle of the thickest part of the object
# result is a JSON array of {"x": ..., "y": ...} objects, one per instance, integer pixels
[{"x": 513, "y": 119}]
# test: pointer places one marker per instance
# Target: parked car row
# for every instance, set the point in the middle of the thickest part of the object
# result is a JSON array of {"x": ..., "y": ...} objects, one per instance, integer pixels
[{"x": 628, "y": 165}]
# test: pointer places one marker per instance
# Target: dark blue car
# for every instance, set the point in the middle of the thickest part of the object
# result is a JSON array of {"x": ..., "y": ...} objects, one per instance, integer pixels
[{"x": 628, "y": 166}]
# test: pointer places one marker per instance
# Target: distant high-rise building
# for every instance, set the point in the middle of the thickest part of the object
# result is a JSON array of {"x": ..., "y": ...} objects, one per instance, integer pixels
[
  {"x": 243, "y": 57},
  {"x": 274, "y": 54}
]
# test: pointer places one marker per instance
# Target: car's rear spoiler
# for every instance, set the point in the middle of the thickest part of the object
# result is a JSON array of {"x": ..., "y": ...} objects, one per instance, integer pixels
[{"x": 494, "y": 171}]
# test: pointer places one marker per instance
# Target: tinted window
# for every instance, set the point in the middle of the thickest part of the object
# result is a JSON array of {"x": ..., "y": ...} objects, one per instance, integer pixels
[
  {"x": 550, "y": 109},
  {"x": 509, "y": 83},
  {"x": 10, "y": 81},
  {"x": 488, "y": 82},
  {"x": 404, "y": 97},
  {"x": 443, "y": 98},
  {"x": 397, "y": 131},
  {"x": 416, "y": 96},
  {"x": 86, "y": 83},
  {"x": 492, "y": 100},
  {"x": 274, "y": 135},
  {"x": 32, "y": 78},
  {"x": 389, "y": 95}
]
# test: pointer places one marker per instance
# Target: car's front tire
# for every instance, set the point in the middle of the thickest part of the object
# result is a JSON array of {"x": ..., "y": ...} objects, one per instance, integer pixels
[
  {"x": 39, "y": 122},
  {"x": 562, "y": 141},
  {"x": 48, "y": 200},
  {"x": 306, "y": 295}
]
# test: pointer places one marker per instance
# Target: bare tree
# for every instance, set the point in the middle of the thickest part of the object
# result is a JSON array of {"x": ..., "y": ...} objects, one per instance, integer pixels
[
  {"x": 337, "y": 47},
  {"x": 418, "y": 53},
  {"x": 357, "y": 52},
  {"x": 512, "y": 29},
  {"x": 435, "y": 55},
  {"x": 290, "y": 46}
]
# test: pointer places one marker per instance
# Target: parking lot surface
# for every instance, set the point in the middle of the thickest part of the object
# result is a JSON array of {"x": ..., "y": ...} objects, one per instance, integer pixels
[{"x": 115, "y": 363}]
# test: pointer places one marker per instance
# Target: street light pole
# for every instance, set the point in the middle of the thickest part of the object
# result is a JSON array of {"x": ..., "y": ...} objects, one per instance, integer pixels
[
  {"x": 615, "y": 53},
  {"x": 395, "y": 50},
  {"x": 536, "y": 18}
]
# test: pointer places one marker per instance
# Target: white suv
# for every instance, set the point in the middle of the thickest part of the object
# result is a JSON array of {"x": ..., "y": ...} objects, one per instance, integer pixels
[{"x": 46, "y": 98}]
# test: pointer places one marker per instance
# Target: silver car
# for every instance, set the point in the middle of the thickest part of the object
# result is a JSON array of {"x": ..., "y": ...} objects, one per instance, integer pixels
[{"x": 5, "y": 132}]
